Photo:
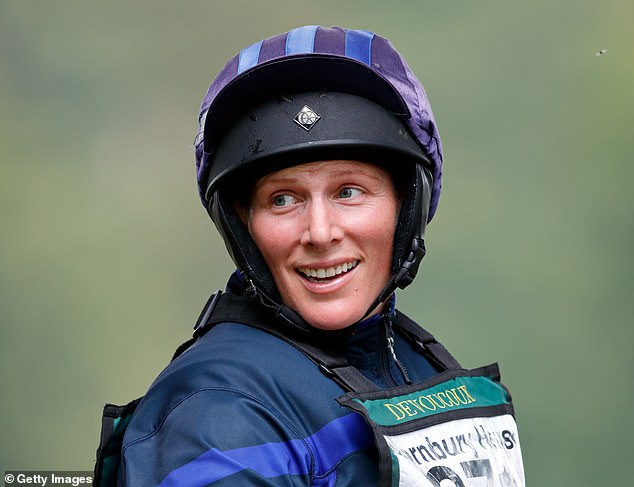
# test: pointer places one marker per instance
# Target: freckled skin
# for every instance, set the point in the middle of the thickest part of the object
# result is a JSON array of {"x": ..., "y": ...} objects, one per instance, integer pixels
[{"x": 320, "y": 215}]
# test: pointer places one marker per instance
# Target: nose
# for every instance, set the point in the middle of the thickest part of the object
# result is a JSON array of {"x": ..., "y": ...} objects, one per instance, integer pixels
[{"x": 322, "y": 226}]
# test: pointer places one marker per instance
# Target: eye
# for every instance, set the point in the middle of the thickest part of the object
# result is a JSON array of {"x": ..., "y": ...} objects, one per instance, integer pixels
[
  {"x": 283, "y": 200},
  {"x": 346, "y": 193}
]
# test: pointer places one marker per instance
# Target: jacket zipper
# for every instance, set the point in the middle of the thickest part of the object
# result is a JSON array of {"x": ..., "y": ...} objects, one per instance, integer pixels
[{"x": 385, "y": 362}]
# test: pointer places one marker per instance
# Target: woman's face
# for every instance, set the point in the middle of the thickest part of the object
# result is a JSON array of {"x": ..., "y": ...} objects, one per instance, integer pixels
[{"x": 326, "y": 231}]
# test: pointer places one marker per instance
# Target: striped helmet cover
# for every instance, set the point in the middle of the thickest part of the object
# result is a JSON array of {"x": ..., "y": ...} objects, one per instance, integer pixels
[{"x": 374, "y": 52}]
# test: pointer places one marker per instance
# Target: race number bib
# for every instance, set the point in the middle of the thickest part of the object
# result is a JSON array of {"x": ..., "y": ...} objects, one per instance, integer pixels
[{"x": 456, "y": 430}]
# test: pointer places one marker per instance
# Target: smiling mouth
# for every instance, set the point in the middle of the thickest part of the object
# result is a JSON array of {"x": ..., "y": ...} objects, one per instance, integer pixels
[{"x": 326, "y": 273}]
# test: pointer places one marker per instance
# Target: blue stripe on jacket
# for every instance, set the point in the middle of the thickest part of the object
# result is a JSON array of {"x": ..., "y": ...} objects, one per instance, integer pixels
[{"x": 331, "y": 444}]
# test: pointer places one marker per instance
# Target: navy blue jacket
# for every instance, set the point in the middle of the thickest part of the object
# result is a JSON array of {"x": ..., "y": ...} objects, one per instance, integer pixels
[{"x": 242, "y": 407}]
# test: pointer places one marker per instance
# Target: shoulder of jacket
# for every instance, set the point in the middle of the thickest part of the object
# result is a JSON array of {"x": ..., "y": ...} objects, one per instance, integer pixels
[{"x": 232, "y": 361}]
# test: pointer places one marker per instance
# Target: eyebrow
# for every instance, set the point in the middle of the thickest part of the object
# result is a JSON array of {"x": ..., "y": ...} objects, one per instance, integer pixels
[
  {"x": 334, "y": 172},
  {"x": 346, "y": 172}
]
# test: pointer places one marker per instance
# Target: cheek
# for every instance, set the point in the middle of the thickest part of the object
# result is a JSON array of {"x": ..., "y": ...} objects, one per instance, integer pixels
[
  {"x": 379, "y": 222},
  {"x": 270, "y": 237},
  {"x": 380, "y": 246},
  {"x": 378, "y": 238}
]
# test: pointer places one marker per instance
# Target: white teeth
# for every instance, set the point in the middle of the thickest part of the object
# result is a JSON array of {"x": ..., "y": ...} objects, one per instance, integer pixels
[{"x": 328, "y": 271}]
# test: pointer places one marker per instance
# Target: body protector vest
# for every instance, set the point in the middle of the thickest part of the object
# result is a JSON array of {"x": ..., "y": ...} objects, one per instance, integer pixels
[{"x": 458, "y": 426}]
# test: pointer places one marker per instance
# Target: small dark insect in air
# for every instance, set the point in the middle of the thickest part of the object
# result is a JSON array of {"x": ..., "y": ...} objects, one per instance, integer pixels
[{"x": 601, "y": 52}]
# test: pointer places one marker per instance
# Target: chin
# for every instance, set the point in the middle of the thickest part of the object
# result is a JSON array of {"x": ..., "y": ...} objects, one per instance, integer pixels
[{"x": 331, "y": 320}]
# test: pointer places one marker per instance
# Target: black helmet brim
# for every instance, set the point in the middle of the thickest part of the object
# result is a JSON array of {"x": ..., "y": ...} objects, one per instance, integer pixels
[{"x": 268, "y": 136}]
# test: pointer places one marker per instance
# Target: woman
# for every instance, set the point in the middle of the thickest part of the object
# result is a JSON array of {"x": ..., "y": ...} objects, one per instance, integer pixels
[{"x": 320, "y": 164}]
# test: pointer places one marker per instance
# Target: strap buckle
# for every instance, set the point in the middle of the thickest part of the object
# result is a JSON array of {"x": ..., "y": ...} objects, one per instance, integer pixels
[{"x": 207, "y": 310}]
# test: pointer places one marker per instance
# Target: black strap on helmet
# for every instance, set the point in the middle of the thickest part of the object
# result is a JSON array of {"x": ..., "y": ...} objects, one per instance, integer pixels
[{"x": 410, "y": 228}]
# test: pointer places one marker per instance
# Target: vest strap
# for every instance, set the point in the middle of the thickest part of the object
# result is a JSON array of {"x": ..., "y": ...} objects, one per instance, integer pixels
[{"x": 314, "y": 344}]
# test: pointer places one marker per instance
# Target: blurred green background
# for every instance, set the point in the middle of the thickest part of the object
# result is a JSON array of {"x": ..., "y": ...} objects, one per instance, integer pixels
[{"x": 106, "y": 255}]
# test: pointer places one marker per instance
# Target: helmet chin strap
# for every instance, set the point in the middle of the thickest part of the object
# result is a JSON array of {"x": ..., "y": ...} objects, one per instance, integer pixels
[
  {"x": 282, "y": 312},
  {"x": 406, "y": 273},
  {"x": 403, "y": 277}
]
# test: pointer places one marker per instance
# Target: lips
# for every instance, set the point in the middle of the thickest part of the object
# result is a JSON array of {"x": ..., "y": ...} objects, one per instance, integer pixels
[{"x": 327, "y": 272}]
